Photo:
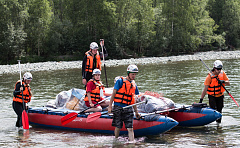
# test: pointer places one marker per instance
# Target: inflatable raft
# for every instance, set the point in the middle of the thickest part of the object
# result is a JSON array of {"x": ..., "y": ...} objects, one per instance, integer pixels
[
  {"x": 149, "y": 125},
  {"x": 195, "y": 115}
]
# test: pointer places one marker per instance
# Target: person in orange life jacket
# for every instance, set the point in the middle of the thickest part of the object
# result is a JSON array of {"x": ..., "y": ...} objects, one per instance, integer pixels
[
  {"x": 124, "y": 93},
  {"x": 92, "y": 60},
  {"x": 94, "y": 93},
  {"x": 17, "y": 96},
  {"x": 214, "y": 89}
]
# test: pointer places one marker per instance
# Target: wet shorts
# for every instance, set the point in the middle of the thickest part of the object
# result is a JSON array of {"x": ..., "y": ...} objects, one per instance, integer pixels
[{"x": 120, "y": 116}]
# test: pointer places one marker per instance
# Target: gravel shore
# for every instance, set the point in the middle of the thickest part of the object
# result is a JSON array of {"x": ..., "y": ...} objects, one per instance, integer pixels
[{"x": 46, "y": 66}]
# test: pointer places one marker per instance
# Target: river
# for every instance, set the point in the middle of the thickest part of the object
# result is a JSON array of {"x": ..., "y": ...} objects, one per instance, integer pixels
[{"x": 180, "y": 81}]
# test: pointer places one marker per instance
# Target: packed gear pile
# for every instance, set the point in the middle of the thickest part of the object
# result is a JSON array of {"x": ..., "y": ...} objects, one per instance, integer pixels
[
  {"x": 155, "y": 102},
  {"x": 74, "y": 100}
]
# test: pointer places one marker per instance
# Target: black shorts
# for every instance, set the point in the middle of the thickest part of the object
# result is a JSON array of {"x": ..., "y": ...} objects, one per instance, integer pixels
[{"x": 122, "y": 115}]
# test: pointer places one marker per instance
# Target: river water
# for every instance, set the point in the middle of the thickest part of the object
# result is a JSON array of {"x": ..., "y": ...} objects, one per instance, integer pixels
[{"x": 180, "y": 81}]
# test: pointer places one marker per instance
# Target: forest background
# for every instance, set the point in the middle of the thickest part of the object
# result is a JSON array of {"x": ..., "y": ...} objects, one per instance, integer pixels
[{"x": 45, "y": 30}]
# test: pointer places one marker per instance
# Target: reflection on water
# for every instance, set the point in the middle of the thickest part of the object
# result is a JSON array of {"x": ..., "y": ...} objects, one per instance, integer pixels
[{"x": 180, "y": 81}]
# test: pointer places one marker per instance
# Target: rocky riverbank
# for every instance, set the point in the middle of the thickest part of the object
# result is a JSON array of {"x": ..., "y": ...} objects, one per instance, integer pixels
[{"x": 46, "y": 66}]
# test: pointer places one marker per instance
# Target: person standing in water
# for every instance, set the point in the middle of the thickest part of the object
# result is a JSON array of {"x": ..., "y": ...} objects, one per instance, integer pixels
[
  {"x": 20, "y": 91},
  {"x": 214, "y": 89},
  {"x": 124, "y": 92}
]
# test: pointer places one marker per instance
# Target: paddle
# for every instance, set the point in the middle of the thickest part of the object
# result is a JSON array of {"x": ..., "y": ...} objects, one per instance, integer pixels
[
  {"x": 71, "y": 116},
  {"x": 95, "y": 116},
  {"x": 25, "y": 122},
  {"x": 220, "y": 83},
  {"x": 167, "y": 110},
  {"x": 104, "y": 63}
]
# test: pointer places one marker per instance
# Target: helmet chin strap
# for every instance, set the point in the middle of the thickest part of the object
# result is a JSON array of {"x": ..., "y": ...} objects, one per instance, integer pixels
[{"x": 129, "y": 78}]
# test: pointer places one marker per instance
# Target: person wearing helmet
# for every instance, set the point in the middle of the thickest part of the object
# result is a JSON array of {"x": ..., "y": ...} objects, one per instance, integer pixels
[
  {"x": 17, "y": 96},
  {"x": 92, "y": 60},
  {"x": 94, "y": 93},
  {"x": 124, "y": 93},
  {"x": 214, "y": 89}
]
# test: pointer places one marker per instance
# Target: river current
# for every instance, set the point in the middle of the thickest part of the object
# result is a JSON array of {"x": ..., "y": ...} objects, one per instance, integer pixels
[{"x": 180, "y": 81}]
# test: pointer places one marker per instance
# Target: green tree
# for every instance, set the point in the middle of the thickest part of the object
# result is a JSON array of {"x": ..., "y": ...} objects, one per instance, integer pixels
[
  {"x": 226, "y": 14},
  {"x": 184, "y": 26},
  {"x": 59, "y": 39},
  {"x": 12, "y": 35},
  {"x": 91, "y": 20},
  {"x": 40, "y": 17},
  {"x": 230, "y": 22},
  {"x": 142, "y": 26},
  {"x": 215, "y": 8},
  {"x": 134, "y": 26},
  {"x": 204, "y": 33}
]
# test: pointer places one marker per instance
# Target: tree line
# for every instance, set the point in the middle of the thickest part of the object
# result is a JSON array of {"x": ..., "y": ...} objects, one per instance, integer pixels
[{"x": 41, "y": 30}]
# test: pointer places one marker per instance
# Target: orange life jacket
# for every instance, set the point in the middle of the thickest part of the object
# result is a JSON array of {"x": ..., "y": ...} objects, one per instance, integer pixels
[
  {"x": 95, "y": 94},
  {"x": 26, "y": 93},
  {"x": 215, "y": 87},
  {"x": 126, "y": 94},
  {"x": 89, "y": 64}
]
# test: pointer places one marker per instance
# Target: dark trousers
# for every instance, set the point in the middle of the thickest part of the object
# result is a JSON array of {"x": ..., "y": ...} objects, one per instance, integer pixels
[
  {"x": 217, "y": 104},
  {"x": 18, "y": 108},
  {"x": 89, "y": 76}
]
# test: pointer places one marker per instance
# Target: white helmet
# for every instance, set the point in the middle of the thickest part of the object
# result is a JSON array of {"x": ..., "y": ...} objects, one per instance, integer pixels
[
  {"x": 132, "y": 69},
  {"x": 96, "y": 71},
  {"x": 217, "y": 64},
  {"x": 93, "y": 45},
  {"x": 27, "y": 76},
  {"x": 116, "y": 78}
]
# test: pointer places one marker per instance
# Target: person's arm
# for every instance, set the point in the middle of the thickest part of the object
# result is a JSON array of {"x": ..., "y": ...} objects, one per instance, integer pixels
[
  {"x": 18, "y": 89},
  {"x": 227, "y": 83},
  {"x": 136, "y": 91},
  {"x": 136, "y": 111},
  {"x": 117, "y": 86},
  {"x": 203, "y": 93},
  {"x": 207, "y": 82},
  {"x": 104, "y": 51},
  {"x": 225, "y": 79},
  {"x": 104, "y": 92},
  {"x": 135, "y": 101},
  {"x": 89, "y": 99},
  {"x": 84, "y": 73},
  {"x": 29, "y": 89},
  {"x": 89, "y": 87},
  {"x": 111, "y": 100}
]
